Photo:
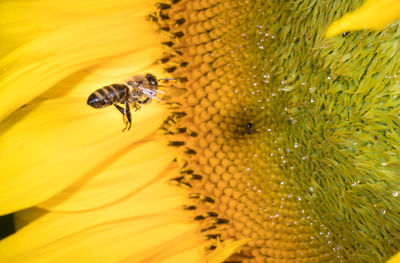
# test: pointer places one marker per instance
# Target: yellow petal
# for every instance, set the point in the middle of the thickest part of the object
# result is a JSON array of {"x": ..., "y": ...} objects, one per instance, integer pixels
[
  {"x": 23, "y": 21},
  {"x": 24, "y": 217},
  {"x": 125, "y": 173},
  {"x": 185, "y": 248},
  {"x": 115, "y": 70},
  {"x": 373, "y": 14},
  {"x": 48, "y": 145},
  {"x": 37, "y": 65},
  {"x": 395, "y": 258},
  {"x": 187, "y": 253},
  {"x": 144, "y": 227}
]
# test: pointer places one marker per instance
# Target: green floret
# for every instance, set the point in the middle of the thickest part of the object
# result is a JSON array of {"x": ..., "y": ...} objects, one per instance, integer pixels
[{"x": 333, "y": 108}]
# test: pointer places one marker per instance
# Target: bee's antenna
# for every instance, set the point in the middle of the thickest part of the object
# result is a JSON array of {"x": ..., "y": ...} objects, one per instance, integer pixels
[{"x": 166, "y": 79}]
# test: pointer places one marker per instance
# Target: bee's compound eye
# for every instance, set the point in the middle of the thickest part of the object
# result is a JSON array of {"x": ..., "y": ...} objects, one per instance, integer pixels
[
  {"x": 151, "y": 79},
  {"x": 130, "y": 83}
]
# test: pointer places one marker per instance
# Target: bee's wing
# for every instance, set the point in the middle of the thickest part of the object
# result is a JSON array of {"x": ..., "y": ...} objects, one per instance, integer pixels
[{"x": 151, "y": 93}]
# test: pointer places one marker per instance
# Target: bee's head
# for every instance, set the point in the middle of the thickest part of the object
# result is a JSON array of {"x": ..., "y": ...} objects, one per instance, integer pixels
[{"x": 152, "y": 80}]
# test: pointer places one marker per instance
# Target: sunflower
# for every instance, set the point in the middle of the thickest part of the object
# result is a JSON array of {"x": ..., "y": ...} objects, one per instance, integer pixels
[{"x": 274, "y": 143}]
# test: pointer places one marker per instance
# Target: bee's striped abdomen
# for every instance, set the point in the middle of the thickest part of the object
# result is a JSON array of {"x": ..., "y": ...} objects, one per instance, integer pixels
[{"x": 108, "y": 95}]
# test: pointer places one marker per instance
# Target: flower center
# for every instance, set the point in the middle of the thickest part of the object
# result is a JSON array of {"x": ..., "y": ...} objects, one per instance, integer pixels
[{"x": 266, "y": 151}]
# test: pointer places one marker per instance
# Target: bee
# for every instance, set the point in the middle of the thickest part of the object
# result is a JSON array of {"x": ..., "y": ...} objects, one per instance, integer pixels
[{"x": 134, "y": 92}]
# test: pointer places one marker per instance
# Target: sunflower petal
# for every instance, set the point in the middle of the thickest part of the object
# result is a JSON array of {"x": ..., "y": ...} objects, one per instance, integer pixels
[
  {"x": 148, "y": 221},
  {"x": 395, "y": 258},
  {"x": 126, "y": 172},
  {"x": 37, "y": 65},
  {"x": 46, "y": 146},
  {"x": 372, "y": 14},
  {"x": 114, "y": 70},
  {"x": 23, "y": 21},
  {"x": 184, "y": 248},
  {"x": 24, "y": 217}
]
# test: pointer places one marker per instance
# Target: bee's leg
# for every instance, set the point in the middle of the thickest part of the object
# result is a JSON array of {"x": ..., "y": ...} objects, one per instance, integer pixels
[
  {"x": 137, "y": 106},
  {"x": 127, "y": 117},
  {"x": 146, "y": 100},
  {"x": 120, "y": 109}
]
